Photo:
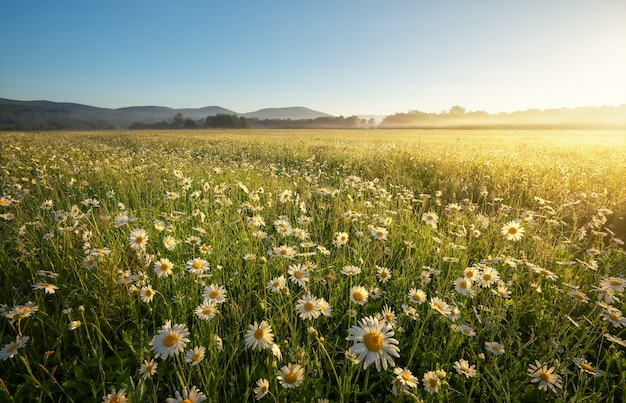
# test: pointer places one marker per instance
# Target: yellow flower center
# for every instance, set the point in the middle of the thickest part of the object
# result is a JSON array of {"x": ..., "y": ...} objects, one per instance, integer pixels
[
  {"x": 258, "y": 334},
  {"x": 416, "y": 297},
  {"x": 309, "y": 306},
  {"x": 165, "y": 267},
  {"x": 12, "y": 348},
  {"x": 614, "y": 317},
  {"x": 196, "y": 357},
  {"x": 373, "y": 341},
  {"x": 380, "y": 233},
  {"x": 615, "y": 282},
  {"x": 207, "y": 311},
  {"x": 170, "y": 340},
  {"x": 139, "y": 239},
  {"x": 115, "y": 400},
  {"x": 433, "y": 382},
  {"x": 586, "y": 367},
  {"x": 544, "y": 376},
  {"x": 544, "y": 272},
  {"x": 406, "y": 377},
  {"x": 512, "y": 230},
  {"x": 187, "y": 401},
  {"x": 463, "y": 284},
  {"x": 197, "y": 265},
  {"x": 579, "y": 296},
  {"x": 486, "y": 276},
  {"x": 283, "y": 251},
  {"x": 297, "y": 275},
  {"x": 358, "y": 296},
  {"x": 291, "y": 377},
  {"x": 214, "y": 294},
  {"x": 276, "y": 284}
]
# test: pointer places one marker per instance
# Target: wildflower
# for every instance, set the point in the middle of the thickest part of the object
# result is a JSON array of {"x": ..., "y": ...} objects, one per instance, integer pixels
[
  {"x": 545, "y": 376},
  {"x": 163, "y": 267},
  {"x": 379, "y": 233},
  {"x": 579, "y": 296},
  {"x": 276, "y": 284},
  {"x": 586, "y": 366},
  {"x": 359, "y": 295},
  {"x": 192, "y": 396},
  {"x": 170, "y": 340},
  {"x": 259, "y": 336},
  {"x": 404, "y": 380},
  {"x": 432, "y": 382},
  {"x": 147, "y": 294},
  {"x": 389, "y": 316},
  {"x": 195, "y": 355},
  {"x": 494, "y": 347},
  {"x": 463, "y": 286},
  {"x": 262, "y": 387},
  {"x": 9, "y": 350},
  {"x": 308, "y": 307},
  {"x": 488, "y": 276},
  {"x": 513, "y": 231},
  {"x": 115, "y": 396},
  {"x": 341, "y": 238},
  {"x": 616, "y": 284},
  {"x": 615, "y": 339},
  {"x": 351, "y": 270},
  {"x": 614, "y": 316},
  {"x": 298, "y": 274},
  {"x": 375, "y": 343},
  {"x": 47, "y": 205},
  {"x": 431, "y": 218},
  {"x": 283, "y": 251},
  {"x": 46, "y": 287},
  {"x": 197, "y": 266},
  {"x": 73, "y": 325},
  {"x": 417, "y": 296},
  {"x": 148, "y": 368},
  {"x": 325, "y": 308},
  {"x": 21, "y": 311},
  {"x": 170, "y": 242},
  {"x": 291, "y": 376},
  {"x": 138, "y": 239},
  {"x": 440, "y": 306},
  {"x": 215, "y": 293},
  {"x": 206, "y": 310},
  {"x": 544, "y": 272},
  {"x": 352, "y": 180},
  {"x": 502, "y": 290},
  {"x": 462, "y": 367},
  {"x": 275, "y": 348},
  {"x": 383, "y": 274},
  {"x": 467, "y": 330}
]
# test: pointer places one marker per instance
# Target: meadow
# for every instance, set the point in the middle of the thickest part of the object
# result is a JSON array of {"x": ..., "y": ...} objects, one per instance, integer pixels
[{"x": 313, "y": 266}]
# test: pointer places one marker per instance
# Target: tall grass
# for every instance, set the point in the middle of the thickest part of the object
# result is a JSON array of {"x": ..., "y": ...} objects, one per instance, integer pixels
[{"x": 72, "y": 201}]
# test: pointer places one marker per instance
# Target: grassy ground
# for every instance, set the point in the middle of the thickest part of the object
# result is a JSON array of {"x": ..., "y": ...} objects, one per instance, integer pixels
[{"x": 311, "y": 265}]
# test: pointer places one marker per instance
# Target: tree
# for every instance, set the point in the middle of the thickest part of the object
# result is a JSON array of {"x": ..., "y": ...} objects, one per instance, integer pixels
[{"x": 179, "y": 120}]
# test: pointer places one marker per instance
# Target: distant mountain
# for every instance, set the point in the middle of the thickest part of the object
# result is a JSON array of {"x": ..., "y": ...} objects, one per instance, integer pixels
[
  {"x": 295, "y": 112},
  {"x": 65, "y": 115}
]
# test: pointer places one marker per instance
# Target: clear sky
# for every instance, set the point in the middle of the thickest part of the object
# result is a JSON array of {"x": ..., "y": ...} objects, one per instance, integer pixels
[{"x": 336, "y": 56}]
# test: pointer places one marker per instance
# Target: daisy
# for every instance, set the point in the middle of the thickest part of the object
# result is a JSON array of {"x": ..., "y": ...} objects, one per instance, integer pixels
[
  {"x": 46, "y": 287},
  {"x": 431, "y": 382},
  {"x": 430, "y": 218},
  {"x": 471, "y": 273},
  {"x": 462, "y": 367},
  {"x": 215, "y": 293},
  {"x": 147, "y": 294},
  {"x": 73, "y": 325},
  {"x": 616, "y": 284},
  {"x": 262, "y": 388},
  {"x": 374, "y": 343},
  {"x": 115, "y": 397},
  {"x": 383, "y": 274},
  {"x": 488, "y": 276},
  {"x": 614, "y": 316},
  {"x": 379, "y": 233},
  {"x": 170, "y": 340},
  {"x": 579, "y": 296},
  {"x": 308, "y": 307},
  {"x": 9, "y": 350},
  {"x": 138, "y": 239},
  {"x": 544, "y": 272},
  {"x": 463, "y": 286},
  {"x": 259, "y": 336},
  {"x": 298, "y": 274},
  {"x": 291, "y": 376},
  {"x": 494, "y": 347},
  {"x": 352, "y": 180},
  {"x": 513, "y": 231},
  {"x": 351, "y": 270},
  {"x": 325, "y": 308},
  {"x": 192, "y": 396},
  {"x": 467, "y": 330},
  {"x": 197, "y": 266},
  {"x": 453, "y": 208},
  {"x": 206, "y": 310},
  {"x": 404, "y": 380},
  {"x": 389, "y": 316},
  {"x": 440, "y": 306},
  {"x": 545, "y": 376},
  {"x": 586, "y": 366},
  {"x": 502, "y": 290},
  {"x": 359, "y": 295},
  {"x": 163, "y": 267},
  {"x": 276, "y": 284},
  {"x": 283, "y": 251},
  {"x": 195, "y": 355},
  {"x": 170, "y": 243},
  {"x": 148, "y": 368},
  {"x": 417, "y": 296},
  {"x": 21, "y": 311},
  {"x": 341, "y": 238}
]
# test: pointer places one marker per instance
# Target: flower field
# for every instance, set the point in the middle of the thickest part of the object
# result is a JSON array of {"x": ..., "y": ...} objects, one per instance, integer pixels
[{"x": 312, "y": 266}]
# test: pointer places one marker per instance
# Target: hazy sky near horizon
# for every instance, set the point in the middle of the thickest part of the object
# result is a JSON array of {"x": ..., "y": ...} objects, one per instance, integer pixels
[{"x": 339, "y": 57}]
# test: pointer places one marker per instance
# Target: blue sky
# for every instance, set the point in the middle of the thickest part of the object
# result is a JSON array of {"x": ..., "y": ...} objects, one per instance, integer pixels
[{"x": 340, "y": 57}]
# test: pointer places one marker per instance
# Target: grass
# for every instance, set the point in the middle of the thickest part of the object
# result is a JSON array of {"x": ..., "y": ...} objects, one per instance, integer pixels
[{"x": 552, "y": 300}]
